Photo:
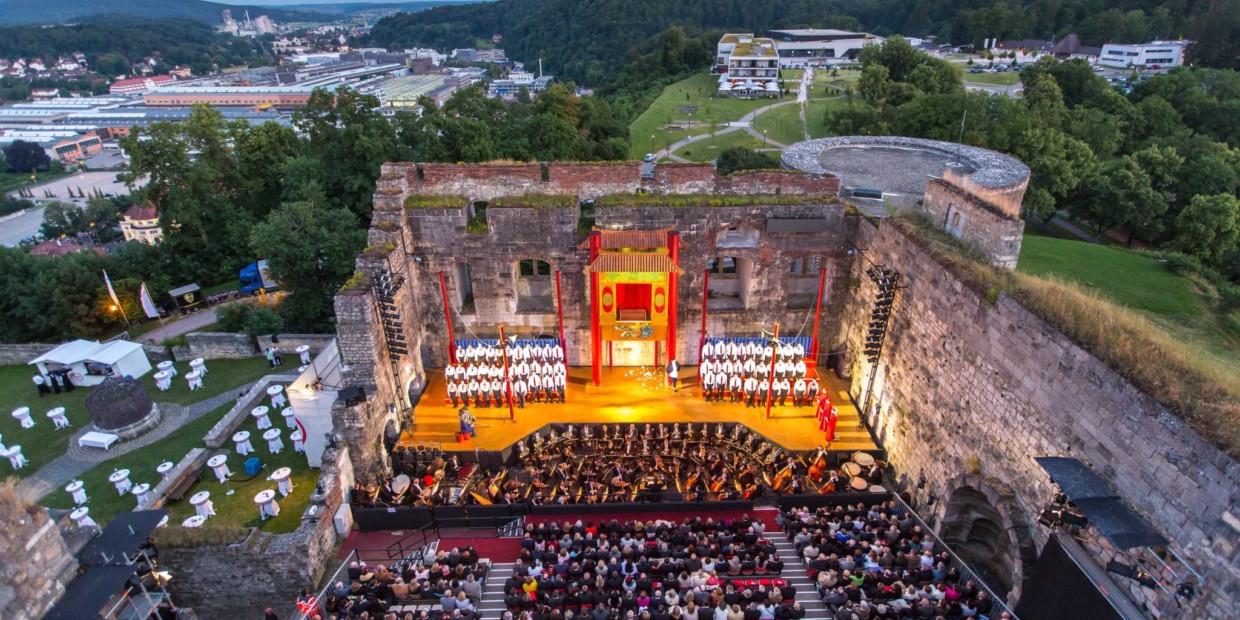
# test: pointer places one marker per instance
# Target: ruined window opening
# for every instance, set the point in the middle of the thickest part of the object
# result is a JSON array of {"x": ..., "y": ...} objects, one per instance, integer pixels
[{"x": 532, "y": 282}]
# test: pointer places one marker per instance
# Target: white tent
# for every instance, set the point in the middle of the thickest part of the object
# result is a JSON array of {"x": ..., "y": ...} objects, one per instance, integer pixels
[
  {"x": 772, "y": 87},
  {"x": 125, "y": 358},
  {"x": 91, "y": 361},
  {"x": 311, "y": 396}
]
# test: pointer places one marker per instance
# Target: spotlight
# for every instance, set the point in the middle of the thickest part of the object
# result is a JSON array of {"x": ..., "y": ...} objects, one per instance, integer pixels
[
  {"x": 921, "y": 480},
  {"x": 1048, "y": 517},
  {"x": 933, "y": 498}
]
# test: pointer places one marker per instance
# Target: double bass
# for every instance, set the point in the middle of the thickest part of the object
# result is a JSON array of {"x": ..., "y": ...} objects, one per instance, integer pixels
[{"x": 818, "y": 466}]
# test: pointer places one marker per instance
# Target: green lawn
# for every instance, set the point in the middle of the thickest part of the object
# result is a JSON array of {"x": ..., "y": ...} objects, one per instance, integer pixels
[
  {"x": 707, "y": 149},
  {"x": 783, "y": 124},
  {"x": 222, "y": 376},
  {"x": 43, "y": 443},
  {"x": 11, "y": 181},
  {"x": 1000, "y": 79},
  {"x": 698, "y": 91},
  {"x": 1129, "y": 278},
  {"x": 237, "y": 510}
]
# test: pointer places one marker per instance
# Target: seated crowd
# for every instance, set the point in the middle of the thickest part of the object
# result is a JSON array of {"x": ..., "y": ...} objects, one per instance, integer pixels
[
  {"x": 658, "y": 570},
  {"x": 448, "y": 585},
  {"x": 875, "y": 562}
]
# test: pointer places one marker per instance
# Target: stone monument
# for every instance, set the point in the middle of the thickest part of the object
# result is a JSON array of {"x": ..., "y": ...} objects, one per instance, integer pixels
[{"x": 122, "y": 406}]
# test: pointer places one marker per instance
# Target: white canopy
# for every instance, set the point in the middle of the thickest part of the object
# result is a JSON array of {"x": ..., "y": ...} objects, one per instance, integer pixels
[
  {"x": 772, "y": 87},
  {"x": 725, "y": 86},
  {"x": 68, "y": 353},
  {"x": 750, "y": 85},
  {"x": 91, "y": 361},
  {"x": 113, "y": 352}
]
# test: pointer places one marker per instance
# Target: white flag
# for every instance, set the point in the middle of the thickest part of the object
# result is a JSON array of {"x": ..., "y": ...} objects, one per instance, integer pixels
[
  {"x": 111, "y": 291},
  {"x": 148, "y": 304}
]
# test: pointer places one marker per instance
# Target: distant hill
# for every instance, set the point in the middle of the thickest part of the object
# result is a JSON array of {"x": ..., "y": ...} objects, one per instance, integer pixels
[
  {"x": 13, "y": 12},
  {"x": 349, "y": 8}
]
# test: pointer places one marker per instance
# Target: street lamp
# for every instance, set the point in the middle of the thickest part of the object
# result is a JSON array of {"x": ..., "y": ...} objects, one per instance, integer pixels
[
  {"x": 763, "y": 138},
  {"x": 651, "y": 143}
]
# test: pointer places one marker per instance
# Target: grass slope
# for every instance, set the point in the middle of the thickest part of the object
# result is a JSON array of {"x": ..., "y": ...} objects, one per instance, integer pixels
[
  {"x": 1128, "y": 278},
  {"x": 696, "y": 91},
  {"x": 783, "y": 124},
  {"x": 708, "y": 148}
]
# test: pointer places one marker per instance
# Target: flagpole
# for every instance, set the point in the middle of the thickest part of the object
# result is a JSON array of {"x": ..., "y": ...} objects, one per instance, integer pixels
[{"x": 122, "y": 309}]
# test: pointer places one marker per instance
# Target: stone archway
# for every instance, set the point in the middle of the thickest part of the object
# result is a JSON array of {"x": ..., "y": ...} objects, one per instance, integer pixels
[{"x": 985, "y": 527}]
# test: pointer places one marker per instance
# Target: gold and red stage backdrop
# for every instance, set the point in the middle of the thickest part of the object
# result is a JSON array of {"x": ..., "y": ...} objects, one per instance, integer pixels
[{"x": 633, "y": 305}]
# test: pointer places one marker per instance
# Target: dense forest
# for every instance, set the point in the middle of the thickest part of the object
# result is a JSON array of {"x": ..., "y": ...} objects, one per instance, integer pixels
[
  {"x": 232, "y": 192},
  {"x": 112, "y": 44},
  {"x": 1161, "y": 165},
  {"x": 589, "y": 41}
]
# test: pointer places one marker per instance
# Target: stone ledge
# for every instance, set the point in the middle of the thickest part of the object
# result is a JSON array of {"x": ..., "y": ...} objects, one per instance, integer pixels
[{"x": 222, "y": 432}]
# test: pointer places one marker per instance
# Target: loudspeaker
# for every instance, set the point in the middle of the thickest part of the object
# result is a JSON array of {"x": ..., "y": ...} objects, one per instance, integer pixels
[{"x": 352, "y": 396}]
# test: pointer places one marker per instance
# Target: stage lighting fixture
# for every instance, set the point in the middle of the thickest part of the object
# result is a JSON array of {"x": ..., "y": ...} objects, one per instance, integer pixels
[
  {"x": 1048, "y": 517},
  {"x": 1073, "y": 518},
  {"x": 1061, "y": 499},
  {"x": 933, "y": 498},
  {"x": 921, "y": 480}
]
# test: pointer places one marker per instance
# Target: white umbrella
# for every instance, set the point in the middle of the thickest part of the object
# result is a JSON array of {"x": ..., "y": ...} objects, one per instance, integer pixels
[{"x": 772, "y": 87}]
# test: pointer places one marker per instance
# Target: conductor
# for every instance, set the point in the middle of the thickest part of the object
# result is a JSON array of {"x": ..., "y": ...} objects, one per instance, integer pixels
[
  {"x": 467, "y": 421},
  {"x": 673, "y": 373}
]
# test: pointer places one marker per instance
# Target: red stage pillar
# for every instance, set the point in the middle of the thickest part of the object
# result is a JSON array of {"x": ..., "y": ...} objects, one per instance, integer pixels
[
  {"x": 596, "y": 336},
  {"x": 447, "y": 312},
  {"x": 512, "y": 413},
  {"x": 559, "y": 308},
  {"x": 673, "y": 294},
  {"x": 770, "y": 388},
  {"x": 705, "y": 298},
  {"x": 822, "y": 279}
]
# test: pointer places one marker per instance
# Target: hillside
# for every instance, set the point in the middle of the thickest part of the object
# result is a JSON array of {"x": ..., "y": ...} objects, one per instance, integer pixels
[
  {"x": 588, "y": 41},
  {"x": 113, "y": 43},
  {"x": 68, "y": 11}
]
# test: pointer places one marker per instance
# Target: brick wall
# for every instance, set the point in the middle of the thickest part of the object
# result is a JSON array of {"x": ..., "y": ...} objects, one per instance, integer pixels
[
  {"x": 35, "y": 563},
  {"x": 970, "y": 387},
  {"x": 973, "y": 219}
]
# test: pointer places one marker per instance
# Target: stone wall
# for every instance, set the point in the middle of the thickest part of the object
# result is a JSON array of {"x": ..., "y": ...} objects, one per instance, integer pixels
[
  {"x": 217, "y": 345},
  {"x": 589, "y": 180},
  {"x": 969, "y": 217},
  {"x": 221, "y": 434},
  {"x": 35, "y": 563},
  {"x": 289, "y": 342},
  {"x": 263, "y": 570},
  {"x": 20, "y": 354},
  {"x": 970, "y": 387}
]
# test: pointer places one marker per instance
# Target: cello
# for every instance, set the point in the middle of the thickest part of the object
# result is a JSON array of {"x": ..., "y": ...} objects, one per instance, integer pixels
[{"x": 782, "y": 478}]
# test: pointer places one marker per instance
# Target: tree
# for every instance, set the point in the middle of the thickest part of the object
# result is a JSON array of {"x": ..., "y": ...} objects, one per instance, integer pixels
[
  {"x": 263, "y": 320},
  {"x": 344, "y": 130},
  {"x": 310, "y": 247},
  {"x": 23, "y": 156},
  {"x": 1058, "y": 164},
  {"x": 1209, "y": 227},
  {"x": 738, "y": 158}
]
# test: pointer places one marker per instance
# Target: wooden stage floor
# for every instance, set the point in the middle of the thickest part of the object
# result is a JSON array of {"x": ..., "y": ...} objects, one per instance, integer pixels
[{"x": 636, "y": 395}]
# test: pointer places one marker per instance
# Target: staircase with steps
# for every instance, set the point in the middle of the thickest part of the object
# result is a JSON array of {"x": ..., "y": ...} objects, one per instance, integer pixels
[
  {"x": 797, "y": 576},
  {"x": 491, "y": 606}
]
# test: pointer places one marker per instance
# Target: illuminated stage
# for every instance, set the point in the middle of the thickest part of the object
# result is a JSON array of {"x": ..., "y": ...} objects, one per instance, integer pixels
[{"x": 633, "y": 395}]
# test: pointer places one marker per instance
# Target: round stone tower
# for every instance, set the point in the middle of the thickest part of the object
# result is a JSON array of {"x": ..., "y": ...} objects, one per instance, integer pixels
[{"x": 121, "y": 406}]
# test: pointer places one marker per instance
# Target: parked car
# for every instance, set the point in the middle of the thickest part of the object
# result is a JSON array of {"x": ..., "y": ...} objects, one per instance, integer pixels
[{"x": 649, "y": 157}]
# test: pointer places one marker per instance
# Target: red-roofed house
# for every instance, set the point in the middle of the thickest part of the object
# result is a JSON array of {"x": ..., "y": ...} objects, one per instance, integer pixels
[
  {"x": 56, "y": 247},
  {"x": 140, "y": 85},
  {"x": 141, "y": 224}
]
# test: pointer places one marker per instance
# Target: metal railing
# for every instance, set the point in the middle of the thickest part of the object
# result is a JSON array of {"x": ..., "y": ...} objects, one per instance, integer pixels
[
  {"x": 966, "y": 573},
  {"x": 413, "y": 545},
  {"x": 341, "y": 574}
]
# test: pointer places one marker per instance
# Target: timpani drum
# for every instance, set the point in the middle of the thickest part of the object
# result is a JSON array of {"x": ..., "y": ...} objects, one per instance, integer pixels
[
  {"x": 859, "y": 484},
  {"x": 863, "y": 459},
  {"x": 851, "y": 469},
  {"x": 878, "y": 488}
]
